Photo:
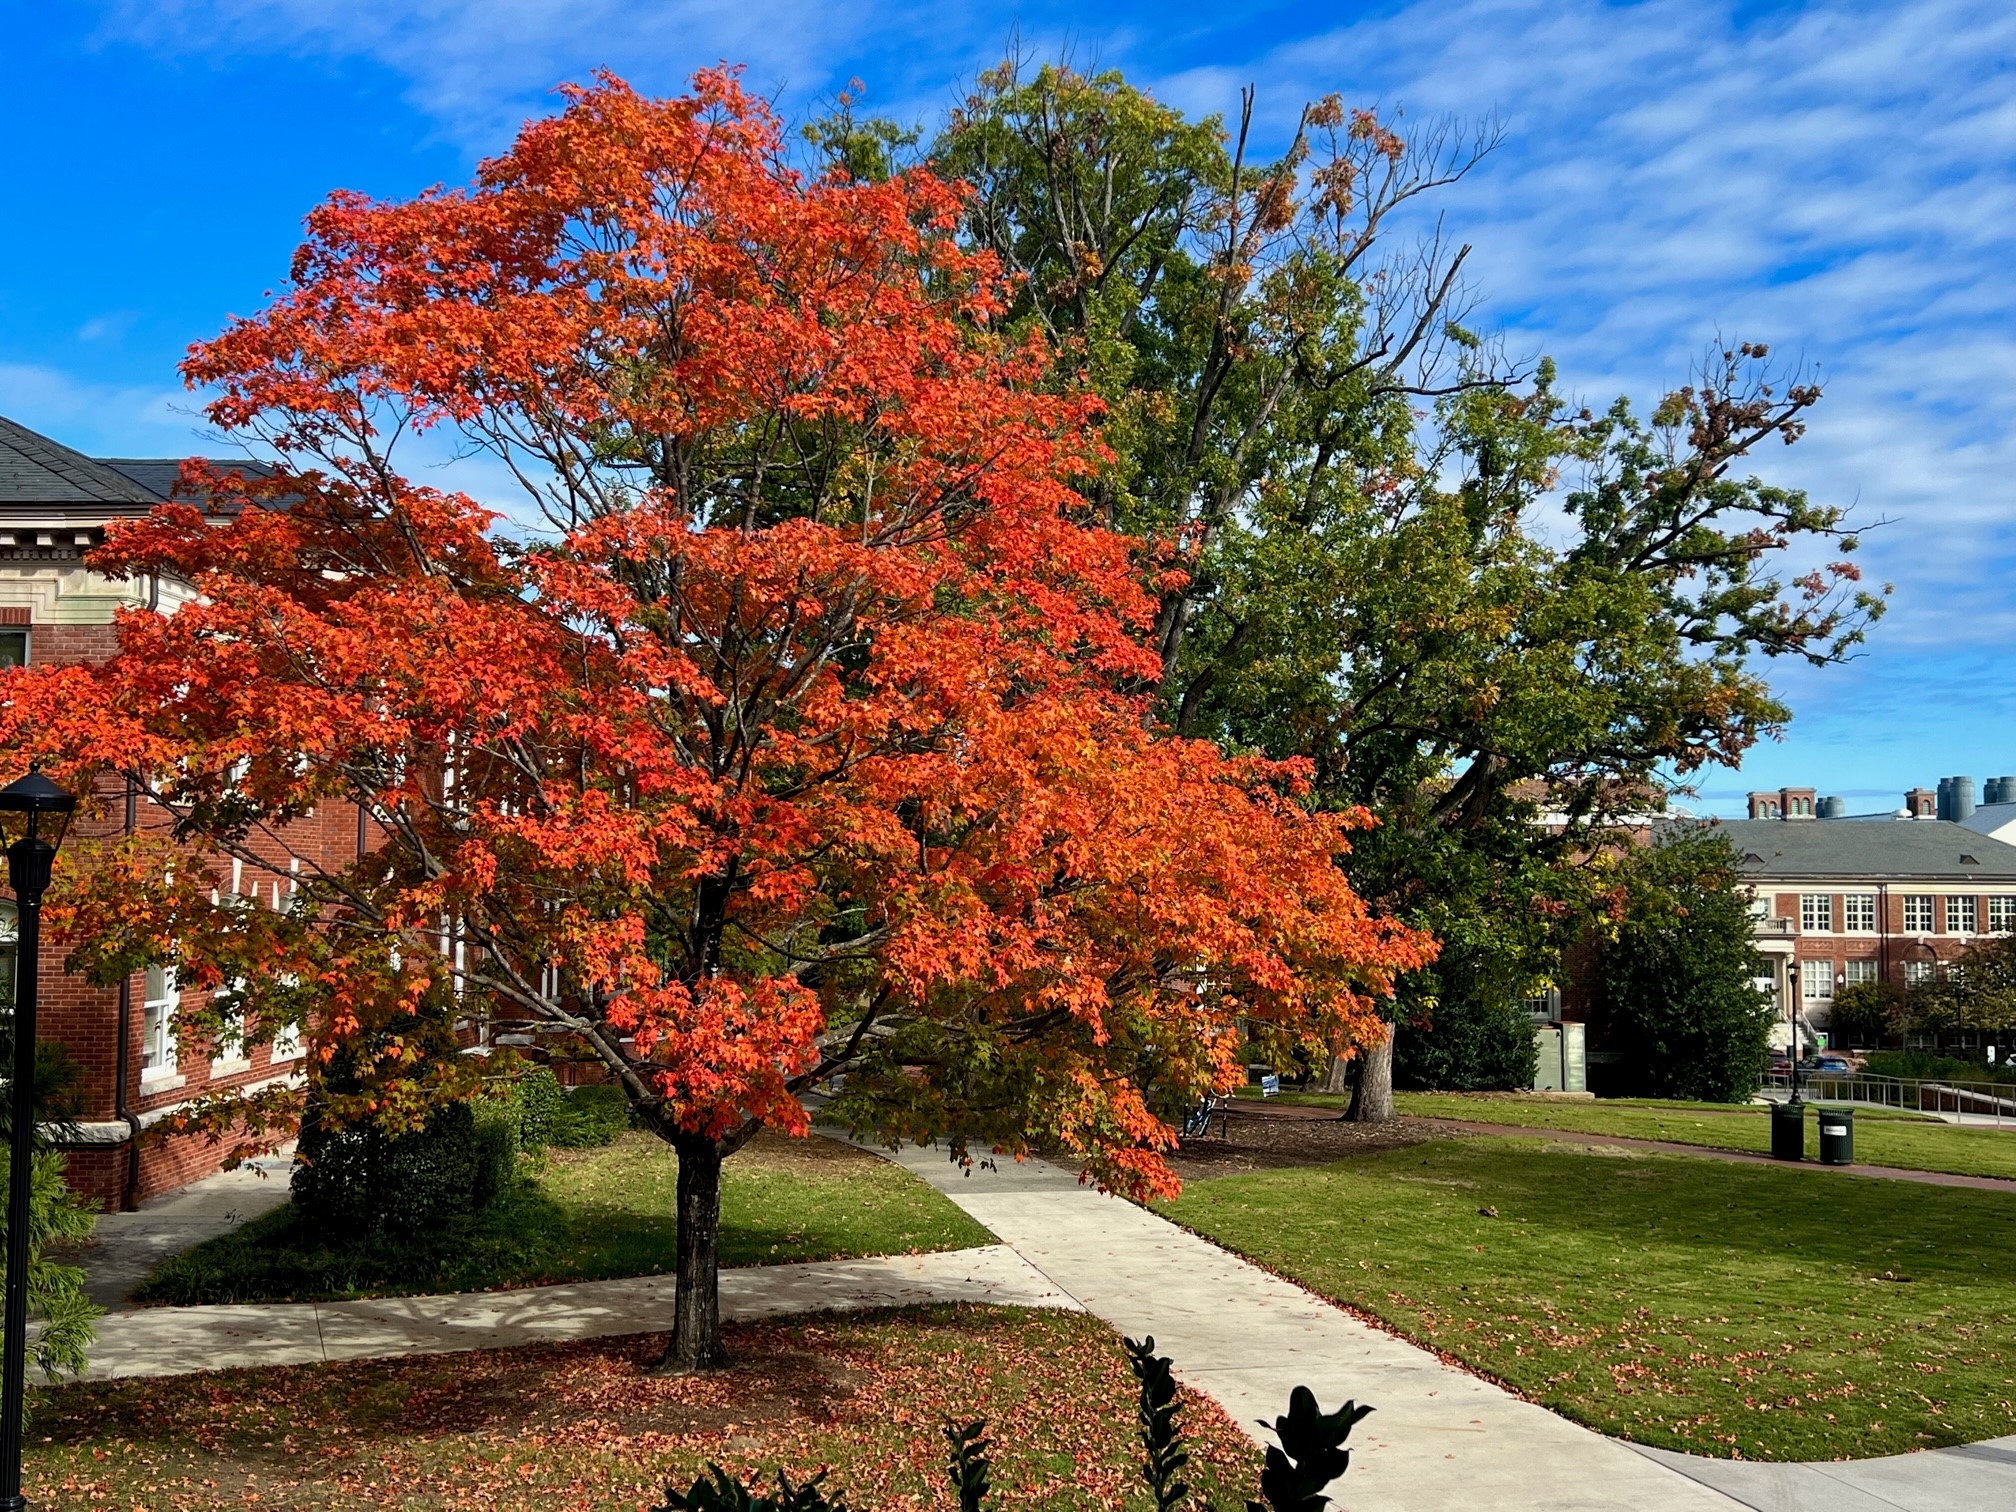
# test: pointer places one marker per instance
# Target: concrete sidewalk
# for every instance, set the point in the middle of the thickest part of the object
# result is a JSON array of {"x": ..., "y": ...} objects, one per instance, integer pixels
[
  {"x": 179, "y": 1340},
  {"x": 125, "y": 1247},
  {"x": 1439, "y": 1440}
]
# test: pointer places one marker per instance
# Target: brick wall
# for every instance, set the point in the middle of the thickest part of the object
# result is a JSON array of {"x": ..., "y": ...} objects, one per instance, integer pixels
[{"x": 86, "y": 1019}]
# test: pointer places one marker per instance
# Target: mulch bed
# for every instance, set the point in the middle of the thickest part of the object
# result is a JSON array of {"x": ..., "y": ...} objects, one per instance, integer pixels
[{"x": 1266, "y": 1137}]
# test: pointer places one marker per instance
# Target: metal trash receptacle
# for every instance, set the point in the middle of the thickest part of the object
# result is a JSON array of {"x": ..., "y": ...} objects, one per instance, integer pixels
[
  {"x": 1788, "y": 1131},
  {"x": 1837, "y": 1136}
]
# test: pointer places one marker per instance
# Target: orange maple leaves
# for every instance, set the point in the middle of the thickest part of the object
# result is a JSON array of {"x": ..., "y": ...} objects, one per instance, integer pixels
[{"x": 785, "y": 719}]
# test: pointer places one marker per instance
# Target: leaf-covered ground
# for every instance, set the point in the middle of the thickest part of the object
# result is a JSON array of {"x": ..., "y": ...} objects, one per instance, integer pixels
[
  {"x": 1732, "y": 1310},
  {"x": 588, "y": 1426},
  {"x": 587, "y": 1215}
]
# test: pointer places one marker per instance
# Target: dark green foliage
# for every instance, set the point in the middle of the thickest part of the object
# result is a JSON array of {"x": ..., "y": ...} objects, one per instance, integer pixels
[
  {"x": 715, "y": 1492},
  {"x": 1476, "y": 1037},
  {"x": 1309, "y": 1456},
  {"x": 60, "y": 1314},
  {"x": 1161, "y": 1435},
  {"x": 1871, "y": 1013},
  {"x": 582, "y": 1119},
  {"x": 1674, "y": 978},
  {"x": 357, "y": 1179},
  {"x": 968, "y": 1467},
  {"x": 542, "y": 1101}
]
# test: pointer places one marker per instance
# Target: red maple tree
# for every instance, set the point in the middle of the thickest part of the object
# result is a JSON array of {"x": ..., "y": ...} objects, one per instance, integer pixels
[{"x": 778, "y": 717}]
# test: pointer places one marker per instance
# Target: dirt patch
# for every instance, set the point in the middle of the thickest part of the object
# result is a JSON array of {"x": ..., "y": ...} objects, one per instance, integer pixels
[{"x": 1270, "y": 1139}]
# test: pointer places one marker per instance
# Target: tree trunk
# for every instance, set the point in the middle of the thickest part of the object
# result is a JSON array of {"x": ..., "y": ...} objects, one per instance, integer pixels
[
  {"x": 696, "y": 1292},
  {"x": 1337, "y": 1078},
  {"x": 1372, "y": 1098}
]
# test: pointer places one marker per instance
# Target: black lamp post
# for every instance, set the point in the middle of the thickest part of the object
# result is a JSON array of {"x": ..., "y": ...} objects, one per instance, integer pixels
[{"x": 34, "y": 812}]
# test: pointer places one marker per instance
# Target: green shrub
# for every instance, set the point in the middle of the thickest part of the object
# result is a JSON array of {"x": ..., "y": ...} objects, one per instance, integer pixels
[
  {"x": 357, "y": 1179},
  {"x": 592, "y": 1117},
  {"x": 582, "y": 1119},
  {"x": 541, "y": 1102},
  {"x": 1927, "y": 1065}
]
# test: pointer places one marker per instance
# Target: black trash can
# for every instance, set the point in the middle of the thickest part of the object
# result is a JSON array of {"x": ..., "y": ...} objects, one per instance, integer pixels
[
  {"x": 1788, "y": 1131},
  {"x": 1837, "y": 1136}
]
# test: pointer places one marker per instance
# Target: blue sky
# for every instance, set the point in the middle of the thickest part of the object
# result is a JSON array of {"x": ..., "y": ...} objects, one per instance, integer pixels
[{"x": 1836, "y": 179}]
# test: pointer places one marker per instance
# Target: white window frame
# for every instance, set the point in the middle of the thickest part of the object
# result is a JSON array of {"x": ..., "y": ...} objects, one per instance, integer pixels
[
  {"x": 1968, "y": 910},
  {"x": 232, "y": 1056},
  {"x": 1855, "y": 973},
  {"x": 1920, "y": 913},
  {"x": 1816, "y": 913},
  {"x": 1816, "y": 981},
  {"x": 157, "y": 1025},
  {"x": 1858, "y": 913},
  {"x": 1917, "y": 972},
  {"x": 2002, "y": 914}
]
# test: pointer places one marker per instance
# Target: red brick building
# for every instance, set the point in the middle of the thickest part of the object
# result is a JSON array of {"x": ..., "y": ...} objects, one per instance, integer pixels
[
  {"x": 54, "y": 506},
  {"x": 1888, "y": 897}
]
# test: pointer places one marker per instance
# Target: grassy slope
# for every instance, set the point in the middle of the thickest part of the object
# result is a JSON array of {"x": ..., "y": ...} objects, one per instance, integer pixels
[
  {"x": 1882, "y": 1137},
  {"x": 1728, "y": 1310},
  {"x": 590, "y": 1214},
  {"x": 588, "y": 1425}
]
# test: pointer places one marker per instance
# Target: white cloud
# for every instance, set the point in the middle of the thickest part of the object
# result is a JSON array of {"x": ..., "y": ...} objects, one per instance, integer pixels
[{"x": 1838, "y": 180}]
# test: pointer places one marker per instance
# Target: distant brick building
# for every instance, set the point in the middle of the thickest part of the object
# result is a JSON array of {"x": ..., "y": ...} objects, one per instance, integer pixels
[
  {"x": 1848, "y": 899},
  {"x": 54, "y": 506}
]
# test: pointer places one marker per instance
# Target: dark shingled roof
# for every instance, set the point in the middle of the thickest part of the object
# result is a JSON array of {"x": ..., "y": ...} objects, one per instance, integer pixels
[
  {"x": 36, "y": 470},
  {"x": 1918, "y": 849}
]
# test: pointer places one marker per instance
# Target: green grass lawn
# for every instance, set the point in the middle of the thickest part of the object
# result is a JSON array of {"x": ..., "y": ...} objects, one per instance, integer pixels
[
  {"x": 585, "y": 1215},
  {"x": 589, "y": 1426},
  {"x": 1910, "y": 1141},
  {"x": 1727, "y": 1310}
]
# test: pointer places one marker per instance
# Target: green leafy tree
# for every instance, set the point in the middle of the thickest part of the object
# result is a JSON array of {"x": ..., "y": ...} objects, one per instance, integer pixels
[
  {"x": 1384, "y": 549},
  {"x": 1676, "y": 972}
]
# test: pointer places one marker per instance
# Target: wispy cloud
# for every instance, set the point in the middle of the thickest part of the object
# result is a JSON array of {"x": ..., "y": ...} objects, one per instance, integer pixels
[{"x": 1838, "y": 179}]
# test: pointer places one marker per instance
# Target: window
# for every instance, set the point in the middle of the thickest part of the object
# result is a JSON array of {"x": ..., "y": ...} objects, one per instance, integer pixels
[
  {"x": 157, "y": 1024},
  {"x": 13, "y": 645},
  {"x": 1858, "y": 912},
  {"x": 1859, "y": 972},
  {"x": 1816, "y": 981},
  {"x": 1917, "y": 973},
  {"x": 2002, "y": 915},
  {"x": 1918, "y": 913},
  {"x": 1962, "y": 916},
  {"x": 230, "y": 1048},
  {"x": 287, "y": 1044},
  {"x": 9, "y": 940},
  {"x": 1816, "y": 913}
]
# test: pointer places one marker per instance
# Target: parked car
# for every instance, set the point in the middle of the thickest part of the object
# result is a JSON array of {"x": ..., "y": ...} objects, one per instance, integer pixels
[{"x": 1834, "y": 1065}]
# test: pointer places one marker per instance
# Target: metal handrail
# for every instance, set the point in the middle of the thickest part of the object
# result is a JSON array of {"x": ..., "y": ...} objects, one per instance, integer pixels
[{"x": 1990, "y": 1101}]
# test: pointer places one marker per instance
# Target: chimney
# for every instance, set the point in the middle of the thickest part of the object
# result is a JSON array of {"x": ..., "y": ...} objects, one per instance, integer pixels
[
  {"x": 1922, "y": 802},
  {"x": 1961, "y": 802},
  {"x": 1796, "y": 803},
  {"x": 1763, "y": 805}
]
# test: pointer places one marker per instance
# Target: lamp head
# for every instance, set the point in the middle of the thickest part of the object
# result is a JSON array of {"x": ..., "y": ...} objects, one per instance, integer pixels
[{"x": 34, "y": 808}]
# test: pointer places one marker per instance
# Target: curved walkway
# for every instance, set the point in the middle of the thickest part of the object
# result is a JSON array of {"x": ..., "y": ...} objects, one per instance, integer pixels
[
  {"x": 1716, "y": 1152},
  {"x": 1440, "y": 1440}
]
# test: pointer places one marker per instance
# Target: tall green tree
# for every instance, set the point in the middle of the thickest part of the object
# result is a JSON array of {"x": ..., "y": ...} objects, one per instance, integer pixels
[
  {"x": 1461, "y": 596},
  {"x": 1677, "y": 968}
]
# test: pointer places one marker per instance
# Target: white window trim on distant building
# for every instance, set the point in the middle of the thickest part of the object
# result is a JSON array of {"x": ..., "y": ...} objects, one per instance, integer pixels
[
  {"x": 1856, "y": 973},
  {"x": 1963, "y": 914},
  {"x": 2002, "y": 914},
  {"x": 1919, "y": 913},
  {"x": 1916, "y": 972},
  {"x": 1816, "y": 913},
  {"x": 1858, "y": 913},
  {"x": 1816, "y": 981}
]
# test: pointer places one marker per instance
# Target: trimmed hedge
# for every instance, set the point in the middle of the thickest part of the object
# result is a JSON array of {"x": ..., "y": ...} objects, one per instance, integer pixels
[
  {"x": 581, "y": 1119},
  {"x": 356, "y": 1179}
]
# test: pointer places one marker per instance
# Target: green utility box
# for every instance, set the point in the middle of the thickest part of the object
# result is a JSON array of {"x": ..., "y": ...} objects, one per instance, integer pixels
[
  {"x": 1788, "y": 1131},
  {"x": 1837, "y": 1136}
]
